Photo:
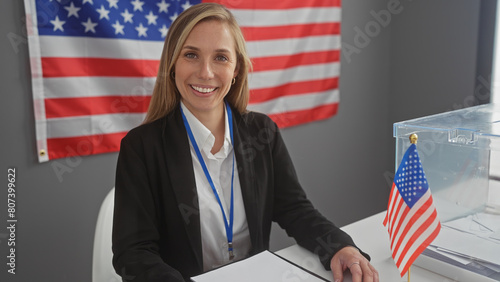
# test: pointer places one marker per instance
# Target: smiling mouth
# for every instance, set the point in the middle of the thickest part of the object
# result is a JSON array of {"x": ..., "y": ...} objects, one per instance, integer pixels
[{"x": 203, "y": 89}]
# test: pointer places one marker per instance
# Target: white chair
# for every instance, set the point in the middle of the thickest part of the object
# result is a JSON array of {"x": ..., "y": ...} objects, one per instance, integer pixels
[{"x": 102, "y": 267}]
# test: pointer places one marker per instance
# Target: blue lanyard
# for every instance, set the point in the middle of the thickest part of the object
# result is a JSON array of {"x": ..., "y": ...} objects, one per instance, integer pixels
[{"x": 227, "y": 224}]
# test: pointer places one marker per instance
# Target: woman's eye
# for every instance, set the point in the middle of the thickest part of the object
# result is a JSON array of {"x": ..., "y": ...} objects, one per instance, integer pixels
[
  {"x": 190, "y": 55},
  {"x": 222, "y": 58}
]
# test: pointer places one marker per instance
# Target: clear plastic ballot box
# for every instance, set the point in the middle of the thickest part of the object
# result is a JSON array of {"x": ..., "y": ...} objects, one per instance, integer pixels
[{"x": 460, "y": 154}]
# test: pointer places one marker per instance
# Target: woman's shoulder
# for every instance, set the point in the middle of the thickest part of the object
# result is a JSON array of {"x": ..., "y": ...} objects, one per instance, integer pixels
[
  {"x": 257, "y": 119},
  {"x": 146, "y": 130}
]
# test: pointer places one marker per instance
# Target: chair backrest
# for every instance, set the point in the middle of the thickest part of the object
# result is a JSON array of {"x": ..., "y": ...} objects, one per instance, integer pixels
[{"x": 102, "y": 267}]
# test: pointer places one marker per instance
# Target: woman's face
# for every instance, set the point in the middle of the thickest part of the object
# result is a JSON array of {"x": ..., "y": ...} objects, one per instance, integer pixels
[{"x": 206, "y": 67}]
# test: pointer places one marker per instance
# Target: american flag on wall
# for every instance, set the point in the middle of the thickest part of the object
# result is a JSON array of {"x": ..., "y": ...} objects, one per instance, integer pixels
[
  {"x": 411, "y": 217},
  {"x": 94, "y": 64}
]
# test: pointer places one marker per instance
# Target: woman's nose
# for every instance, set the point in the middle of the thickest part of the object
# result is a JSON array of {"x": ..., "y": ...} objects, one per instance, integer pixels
[{"x": 206, "y": 70}]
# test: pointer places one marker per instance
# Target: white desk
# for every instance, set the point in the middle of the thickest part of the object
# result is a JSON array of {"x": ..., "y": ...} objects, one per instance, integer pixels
[{"x": 371, "y": 236}]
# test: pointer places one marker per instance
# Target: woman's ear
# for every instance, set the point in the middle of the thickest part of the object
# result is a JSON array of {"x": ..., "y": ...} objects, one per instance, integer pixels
[
  {"x": 236, "y": 71},
  {"x": 237, "y": 68}
]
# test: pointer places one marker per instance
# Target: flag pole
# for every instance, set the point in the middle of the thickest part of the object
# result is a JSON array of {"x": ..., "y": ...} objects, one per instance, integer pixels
[{"x": 413, "y": 140}]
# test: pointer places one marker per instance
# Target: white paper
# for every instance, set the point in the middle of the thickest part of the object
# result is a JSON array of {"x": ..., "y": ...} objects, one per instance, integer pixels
[
  {"x": 452, "y": 255},
  {"x": 488, "y": 221},
  {"x": 263, "y": 267},
  {"x": 496, "y": 235},
  {"x": 468, "y": 245},
  {"x": 470, "y": 224}
]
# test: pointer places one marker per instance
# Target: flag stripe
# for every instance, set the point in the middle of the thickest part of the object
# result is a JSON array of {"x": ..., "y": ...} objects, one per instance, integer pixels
[
  {"x": 290, "y": 118},
  {"x": 397, "y": 215},
  {"x": 296, "y": 102},
  {"x": 436, "y": 227},
  {"x": 292, "y": 88},
  {"x": 101, "y": 143},
  {"x": 75, "y": 47},
  {"x": 91, "y": 125},
  {"x": 390, "y": 203},
  {"x": 396, "y": 201},
  {"x": 401, "y": 219},
  {"x": 66, "y": 87},
  {"x": 86, "y": 106},
  {"x": 290, "y": 31},
  {"x": 112, "y": 123},
  {"x": 291, "y": 46},
  {"x": 282, "y": 62},
  {"x": 63, "y": 67},
  {"x": 70, "y": 67},
  {"x": 407, "y": 216},
  {"x": 248, "y": 18},
  {"x": 84, "y": 145},
  {"x": 417, "y": 229},
  {"x": 273, "y": 78},
  {"x": 275, "y": 4},
  {"x": 411, "y": 220},
  {"x": 61, "y": 46}
]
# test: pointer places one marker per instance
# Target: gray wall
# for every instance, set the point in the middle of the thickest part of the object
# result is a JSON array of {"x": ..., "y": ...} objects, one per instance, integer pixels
[{"x": 420, "y": 61}]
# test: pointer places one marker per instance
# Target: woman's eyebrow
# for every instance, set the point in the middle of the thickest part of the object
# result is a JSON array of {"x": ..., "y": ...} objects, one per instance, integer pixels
[{"x": 220, "y": 50}]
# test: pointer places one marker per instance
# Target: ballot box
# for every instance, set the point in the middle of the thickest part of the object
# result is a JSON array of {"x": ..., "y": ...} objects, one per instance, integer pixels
[{"x": 460, "y": 155}]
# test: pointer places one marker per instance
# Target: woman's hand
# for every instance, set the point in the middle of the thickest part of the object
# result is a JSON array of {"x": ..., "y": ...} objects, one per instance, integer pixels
[{"x": 360, "y": 268}]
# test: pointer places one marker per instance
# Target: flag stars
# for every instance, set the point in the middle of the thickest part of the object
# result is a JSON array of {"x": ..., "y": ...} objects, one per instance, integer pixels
[
  {"x": 72, "y": 10},
  {"x": 119, "y": 18},
  {"x": 118, "y": 28},
  {"x": 186, "y": 5},
  {"x": 103, "y": 13},
  {"x": 58, "y": 24},
  {"x": 164, "y": 31},
  {"x": 113, "y": 4},
  {"x": 141, "y": 30},
  {"x": 173, "y": 17},
  {"x": 410, "y": 179},
  {"x": 137, "y": 5},
  {"x": 89, "y": 26},
  {"x": 151, "y": 18},
  {"x": 127, "y": 16},
  {"x": 163, "y": 7}
]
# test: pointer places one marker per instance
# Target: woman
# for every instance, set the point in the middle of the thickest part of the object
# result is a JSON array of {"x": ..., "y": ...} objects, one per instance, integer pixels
[{"x": 193, "y": 192}]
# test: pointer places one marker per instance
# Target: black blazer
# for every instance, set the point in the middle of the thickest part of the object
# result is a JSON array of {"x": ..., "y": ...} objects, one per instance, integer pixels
[{"x": 156, "y": 228}]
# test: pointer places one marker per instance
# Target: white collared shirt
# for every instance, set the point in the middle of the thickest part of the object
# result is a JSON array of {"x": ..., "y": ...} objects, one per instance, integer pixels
[{"x": 213, "y": 232}]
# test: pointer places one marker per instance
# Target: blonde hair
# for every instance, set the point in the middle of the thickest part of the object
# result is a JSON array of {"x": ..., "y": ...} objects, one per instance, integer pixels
[{"x": 166, "y": 96}]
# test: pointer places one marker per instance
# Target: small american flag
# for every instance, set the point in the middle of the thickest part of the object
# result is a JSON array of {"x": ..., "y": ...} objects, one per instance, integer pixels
[
  {"x": 94, "y": 64},
  {"x": 411, "y": 217}
]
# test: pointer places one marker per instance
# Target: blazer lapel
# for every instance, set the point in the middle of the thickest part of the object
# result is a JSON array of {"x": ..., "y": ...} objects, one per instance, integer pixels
[
  {"x": 250, "y": 194},
  {"x": 180, "y": 171}
]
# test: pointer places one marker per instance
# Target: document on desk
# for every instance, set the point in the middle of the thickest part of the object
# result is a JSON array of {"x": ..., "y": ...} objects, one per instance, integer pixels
[
  {"x": 471, "y": 240},
  {"x": 262, "y": 267}
]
